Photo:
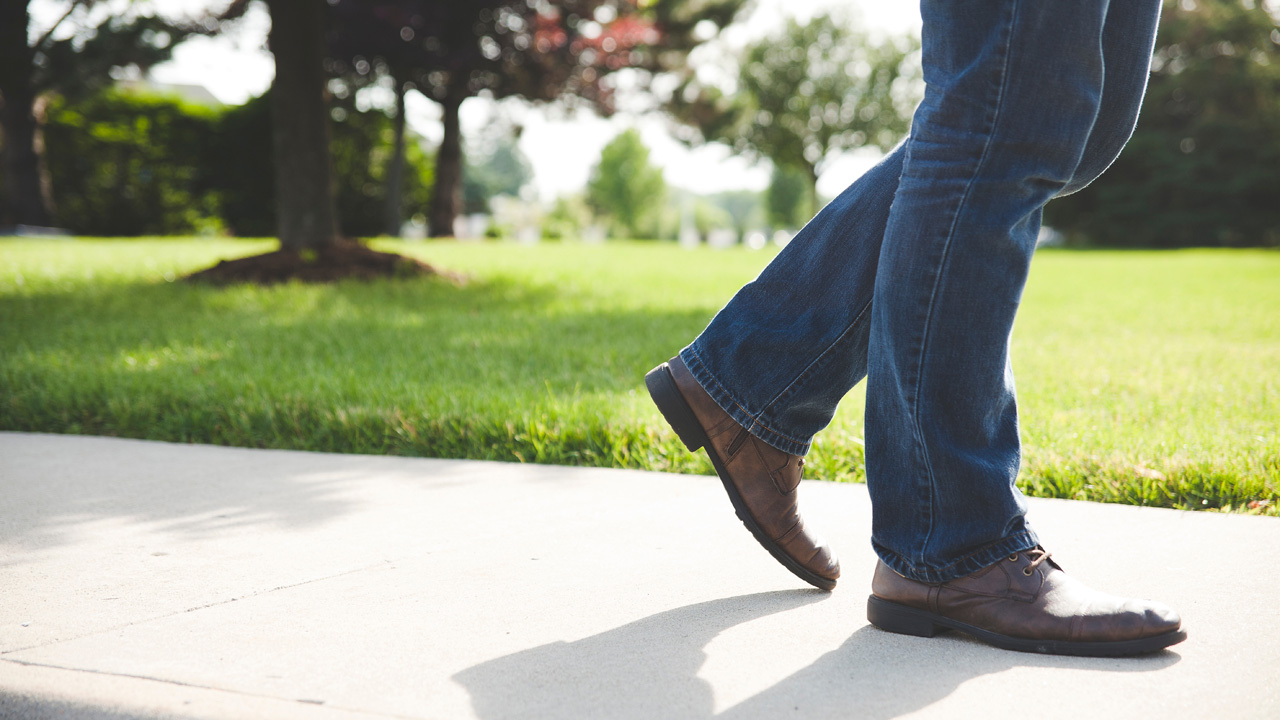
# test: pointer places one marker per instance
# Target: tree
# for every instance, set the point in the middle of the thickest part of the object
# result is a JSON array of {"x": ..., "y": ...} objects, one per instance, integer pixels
[
  {"x": 310, "y": 247},
  {"x": 362, "y": 143},
  {"x": 541, "y": 50},
  {"x": 300, "y": 126},
  {"x": 502, "y": 169},
  {"x": 789, "y": 198},
  {"x": 624, "y": 185},
  {"x": 124, "y": 162},
  {"x": 133, "y": 161},
  {"x": 73, "y": 58},
  {"x": 1203, "y": 166},
  {"x": 744, "y": 207},
  {"x": 806, "y": 94}
]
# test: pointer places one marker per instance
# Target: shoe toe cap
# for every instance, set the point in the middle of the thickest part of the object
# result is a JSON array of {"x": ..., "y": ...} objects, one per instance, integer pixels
[
  {"x": 824, "y": 563},
  {"x": 1159, "y": 619}
]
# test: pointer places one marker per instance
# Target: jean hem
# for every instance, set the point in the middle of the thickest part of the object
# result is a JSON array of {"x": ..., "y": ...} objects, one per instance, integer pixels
[
  {"x": 967, "y": 565},
  {"x": 721, "y": 396}
]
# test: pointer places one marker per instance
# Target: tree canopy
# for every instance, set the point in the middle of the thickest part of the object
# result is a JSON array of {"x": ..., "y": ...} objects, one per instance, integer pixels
[
  {"x": 1203, "y": 166},
  {"x": 498, "y": 169},
  {"x": 625, "y": 186},
  {"x": 540, "y": 50},
  {"x": 808, "y": 93},
  {"x": 788, "y": 199},
  {"x": 78, "y": 55}
]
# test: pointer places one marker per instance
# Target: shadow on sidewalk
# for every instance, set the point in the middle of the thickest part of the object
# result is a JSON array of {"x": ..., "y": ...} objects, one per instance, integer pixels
[
  {"x": 17, "y": 706},
  {"x": 169, "y": 487},
  {"x": 648, "y": 669}
]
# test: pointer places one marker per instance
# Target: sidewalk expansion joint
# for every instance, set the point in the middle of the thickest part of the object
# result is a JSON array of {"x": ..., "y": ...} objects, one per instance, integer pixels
[{"x": 197, "y": 608}]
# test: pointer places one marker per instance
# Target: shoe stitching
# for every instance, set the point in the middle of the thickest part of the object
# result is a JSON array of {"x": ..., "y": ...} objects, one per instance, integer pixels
[
  {"x": 795, "y": 529},
  {"x": 736, "y": 444}
]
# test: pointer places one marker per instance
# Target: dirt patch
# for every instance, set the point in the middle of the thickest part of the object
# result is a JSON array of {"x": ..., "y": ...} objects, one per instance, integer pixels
[{"x": 342, "y": 261}]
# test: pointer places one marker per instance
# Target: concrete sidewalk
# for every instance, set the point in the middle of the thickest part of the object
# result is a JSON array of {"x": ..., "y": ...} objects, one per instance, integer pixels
[{"x": 142, "y": 579}]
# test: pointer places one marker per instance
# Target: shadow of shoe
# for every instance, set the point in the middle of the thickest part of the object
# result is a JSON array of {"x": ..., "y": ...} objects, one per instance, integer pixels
[
  {"x": 643, "y": 670},
  {"x": 879, "y": 675},
  {"x": 649, "y": 669}
]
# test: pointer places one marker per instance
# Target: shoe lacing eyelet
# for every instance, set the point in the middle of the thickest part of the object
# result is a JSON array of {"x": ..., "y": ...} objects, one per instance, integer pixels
[
  {"x": 1013, "y": 557},
  {"x": 1040, "y": 556}
]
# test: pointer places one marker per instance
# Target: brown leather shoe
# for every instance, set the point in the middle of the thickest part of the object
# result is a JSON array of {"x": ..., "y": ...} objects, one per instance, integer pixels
[
  {"x": 1026, "y": 603},
  {"x": 760, "y": 479}
]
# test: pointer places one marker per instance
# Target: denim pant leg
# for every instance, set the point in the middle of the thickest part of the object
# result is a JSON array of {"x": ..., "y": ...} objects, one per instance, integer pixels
[
  {"x": 1013, "y": 91},
  {"x": 790, "y": 344}
]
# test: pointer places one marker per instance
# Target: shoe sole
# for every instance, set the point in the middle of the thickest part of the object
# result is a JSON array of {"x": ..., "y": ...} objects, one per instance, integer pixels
[
  {"x": 666, "y": 395},
  {"x": 898, "y": 618}
]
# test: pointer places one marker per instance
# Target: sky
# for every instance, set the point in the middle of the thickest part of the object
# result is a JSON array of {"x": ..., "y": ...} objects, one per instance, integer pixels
[{"x": 561, "y": 147}]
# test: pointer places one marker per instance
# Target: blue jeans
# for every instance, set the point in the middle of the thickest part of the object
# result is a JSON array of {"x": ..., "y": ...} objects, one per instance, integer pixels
[{"x": 912, "y": 276}]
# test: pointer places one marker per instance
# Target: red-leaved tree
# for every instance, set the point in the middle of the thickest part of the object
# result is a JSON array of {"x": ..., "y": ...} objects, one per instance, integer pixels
[{"x": 542, "y": 50}]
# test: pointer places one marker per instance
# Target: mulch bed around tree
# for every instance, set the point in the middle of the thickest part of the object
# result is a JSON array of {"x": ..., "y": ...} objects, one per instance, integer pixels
[{"x": 344, "y": 260}]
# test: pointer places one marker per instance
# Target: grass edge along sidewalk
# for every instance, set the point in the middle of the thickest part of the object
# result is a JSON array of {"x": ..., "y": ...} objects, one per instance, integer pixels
[{"x": 1148, "y": 378}]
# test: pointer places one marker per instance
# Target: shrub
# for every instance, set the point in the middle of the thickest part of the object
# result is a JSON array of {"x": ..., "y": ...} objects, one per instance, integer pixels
[{"x": 127, "y": 164}]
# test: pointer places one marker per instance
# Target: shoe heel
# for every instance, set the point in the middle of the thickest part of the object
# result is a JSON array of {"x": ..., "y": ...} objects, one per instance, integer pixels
[
  {"x": 900, "y": 619},
  {"x": 665, "y": 394}
]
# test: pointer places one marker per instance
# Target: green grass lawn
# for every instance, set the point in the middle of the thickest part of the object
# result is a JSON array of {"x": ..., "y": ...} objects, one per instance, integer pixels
[{"x": 1144, "y": 377}]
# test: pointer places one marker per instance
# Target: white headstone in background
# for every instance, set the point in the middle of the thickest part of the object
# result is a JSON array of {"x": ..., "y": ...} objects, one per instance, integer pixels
[
  {"x": 756, "y": 239},
  {"x": 782, "y": 237},
  {"x": 688, "y": 235},
  {"x": 521, "y": 218},
  {"x": 470, "y": 227},
  {"x": 415, "y": 228},
  {"x": 722, "y": 238}
]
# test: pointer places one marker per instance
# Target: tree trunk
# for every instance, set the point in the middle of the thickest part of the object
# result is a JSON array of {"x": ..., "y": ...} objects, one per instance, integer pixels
[
  {"x": 28, "y": 200},
  {"x": 300, "y": 126},
  {"x": 811, "y": 172},
  {"x": 395, "y": 173},
  {"x": 446, "y": 198}
]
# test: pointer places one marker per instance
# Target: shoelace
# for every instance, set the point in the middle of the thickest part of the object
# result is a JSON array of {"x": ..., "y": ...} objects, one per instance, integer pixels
[{"x": 1038, "y": 555}]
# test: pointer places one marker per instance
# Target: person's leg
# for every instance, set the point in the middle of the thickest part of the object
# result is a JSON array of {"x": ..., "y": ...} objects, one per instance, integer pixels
[
  {"x": 1014, "y": 91},
  {"x": 790, "y": 344},
  {"x": 779, "y": 357},
  {"x": 1128, "y": 41},
  {"x": 1008, "y": 122},
  {"x": 793, "y": 341}
]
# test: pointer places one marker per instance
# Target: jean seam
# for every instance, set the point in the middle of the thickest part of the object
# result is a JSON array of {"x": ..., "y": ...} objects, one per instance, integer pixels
[
  {"x": 923, "y": 452},
  {"x": 808, "y": 369}
]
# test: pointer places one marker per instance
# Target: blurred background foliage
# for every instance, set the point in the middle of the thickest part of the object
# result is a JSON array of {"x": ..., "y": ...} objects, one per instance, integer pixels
[
  {"x": 803, "y": 96},
  {"x": 627, "y": 188},
  {"x": 127, "y": 163},
  {"x": 538, "y": 50},
  {"x": 494, "y": 166},
  {"x": 1203, "y": 166}
]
